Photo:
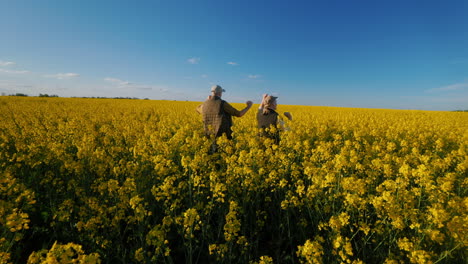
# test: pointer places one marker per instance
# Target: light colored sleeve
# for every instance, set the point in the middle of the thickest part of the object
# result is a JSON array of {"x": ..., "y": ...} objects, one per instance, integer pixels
[
  {"x": 283, "y": 125},
  {"x": 200, "y": 108}
]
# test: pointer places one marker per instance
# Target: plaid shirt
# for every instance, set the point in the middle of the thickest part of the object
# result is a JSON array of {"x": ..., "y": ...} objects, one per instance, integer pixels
[
  {"x": 217, "y": 116},
  {"x": 268, "y": 121}
]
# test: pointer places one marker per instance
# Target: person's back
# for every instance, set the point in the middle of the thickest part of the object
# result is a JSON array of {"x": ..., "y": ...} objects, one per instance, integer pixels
[
  {"x": 216, "y": 121},
  {"x": 267, "y": 122},
  {"x": 268, "y": 119},
  {"x": 217, "y": 113}
]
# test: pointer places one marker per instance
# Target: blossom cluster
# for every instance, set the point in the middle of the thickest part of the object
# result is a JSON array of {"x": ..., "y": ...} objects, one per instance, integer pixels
[{"x": 134, "y": 181}]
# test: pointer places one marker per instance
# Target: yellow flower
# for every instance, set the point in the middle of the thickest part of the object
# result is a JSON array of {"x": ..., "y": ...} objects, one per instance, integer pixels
[
  {"x": 311, "y": 251},
  {"x": 233, "y": 224},
  {"x": 68, "y": 253},
  {"x": 405, "y": 244},
  {"x": 265, "y": 260},
  {"x": 139, "y": 255}
]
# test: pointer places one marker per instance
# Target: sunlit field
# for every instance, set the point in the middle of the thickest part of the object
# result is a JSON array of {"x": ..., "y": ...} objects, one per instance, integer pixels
[{"x": 131, "y": 181}]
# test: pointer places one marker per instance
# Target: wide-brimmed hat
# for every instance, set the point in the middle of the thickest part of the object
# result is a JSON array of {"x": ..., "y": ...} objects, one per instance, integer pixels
[{"x": 217, "y": 89}]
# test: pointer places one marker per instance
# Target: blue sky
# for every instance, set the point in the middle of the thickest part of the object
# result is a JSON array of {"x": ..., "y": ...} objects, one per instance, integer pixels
[{"x": 369, "y": 54}]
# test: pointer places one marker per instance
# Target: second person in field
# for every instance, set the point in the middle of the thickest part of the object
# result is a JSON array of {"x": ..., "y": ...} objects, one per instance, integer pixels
[
  {"x": 268, "y": 120},
  {"x": 217, "y": 113}
]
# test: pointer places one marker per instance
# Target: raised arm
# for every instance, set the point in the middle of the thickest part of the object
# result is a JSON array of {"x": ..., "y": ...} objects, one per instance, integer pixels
[
  {"x": 262, "y": 104},
  {"x": 243, "y": 111},
  {"x": 234, "y": 112}
]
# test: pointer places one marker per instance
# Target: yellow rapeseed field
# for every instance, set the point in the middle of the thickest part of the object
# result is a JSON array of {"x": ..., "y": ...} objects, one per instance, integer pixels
[{"x": 131, "y": 181}]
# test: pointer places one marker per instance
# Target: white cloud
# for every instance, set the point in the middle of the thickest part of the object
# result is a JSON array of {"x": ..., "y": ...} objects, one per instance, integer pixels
[
  {"x": 129, "y": 85},
  {"x": 193, "y": 60},
  {"x": 450, "y": 100},
  {"x": 63, "y": 76},
  {"x": 143, "y": 87},
  {"x": 450, "y": 97},
  {"x": 204, "y": 76},
  {"x": 4, "y": 84},
  {"x": 460, "y": 61},
  {"x": 117, "y": 81},
  {"x": 109, "y": 79},
  {"x": 453, "y": 87},
  {"x": 254, "y": 76},
  {"x": 232, "y": 63},
  {"x": 14, "y": 72},
  {"x": 6, "y": 63}
]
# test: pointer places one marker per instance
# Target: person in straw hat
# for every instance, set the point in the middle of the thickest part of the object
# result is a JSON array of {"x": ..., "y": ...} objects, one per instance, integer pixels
[
  {"x": 268, "y": 120},
  {"x": 217, "y": 114}
]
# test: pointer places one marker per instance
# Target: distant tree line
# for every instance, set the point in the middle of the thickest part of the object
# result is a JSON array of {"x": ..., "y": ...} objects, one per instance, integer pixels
[
  {"x": 25, "y": 95},
  {"x": 46, "y": 95},
  {"x": 16, "y": 94},
  {"x": 54, "y": 95},
  {"x": 103, "y": 97}
]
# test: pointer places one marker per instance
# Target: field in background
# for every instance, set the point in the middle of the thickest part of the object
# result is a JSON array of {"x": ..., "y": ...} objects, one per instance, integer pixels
[{"x": 131, "y": 181}]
